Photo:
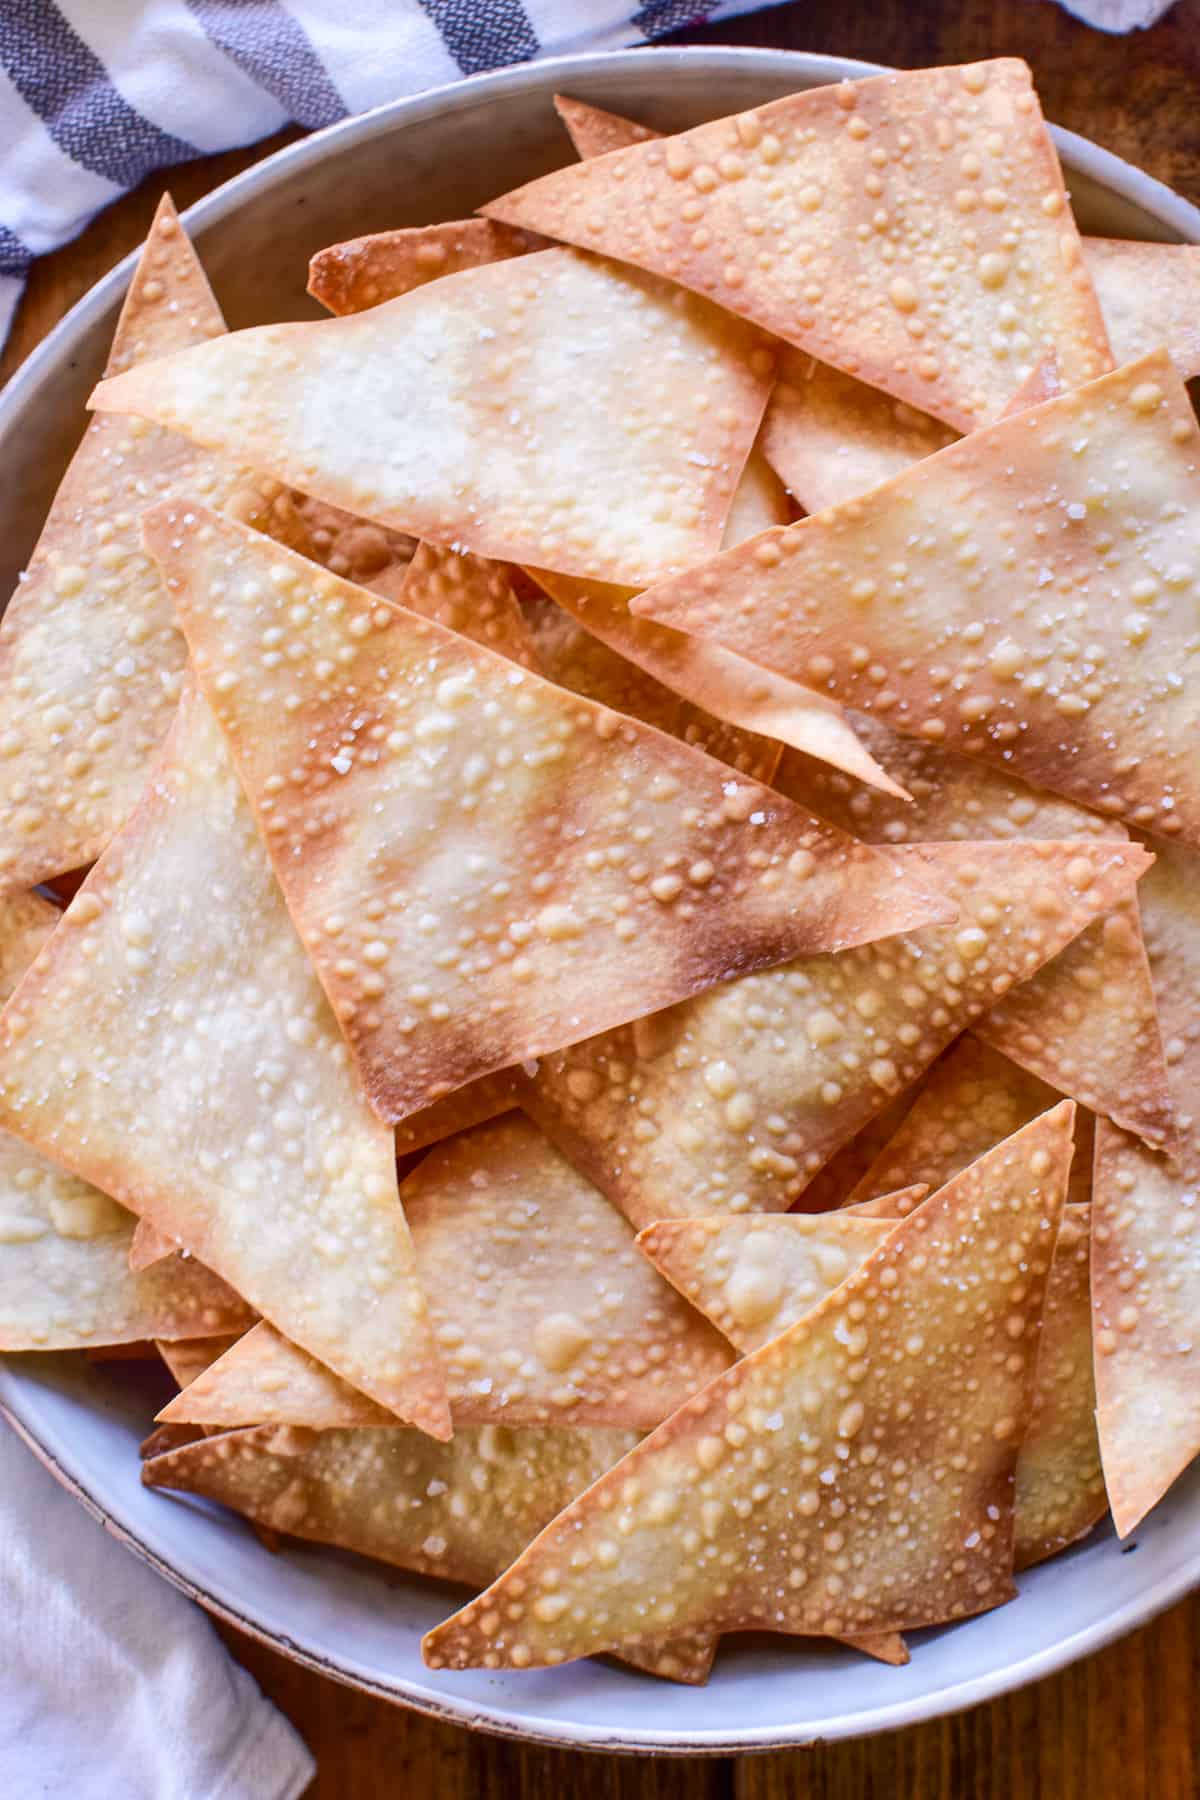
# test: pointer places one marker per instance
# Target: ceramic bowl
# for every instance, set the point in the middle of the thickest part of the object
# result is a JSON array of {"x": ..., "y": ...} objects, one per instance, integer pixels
[{"x": 438, "y": 156}]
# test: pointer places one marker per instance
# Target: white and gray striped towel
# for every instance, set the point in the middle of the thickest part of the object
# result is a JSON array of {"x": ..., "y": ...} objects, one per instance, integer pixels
[{"x": 97, "y": 94}]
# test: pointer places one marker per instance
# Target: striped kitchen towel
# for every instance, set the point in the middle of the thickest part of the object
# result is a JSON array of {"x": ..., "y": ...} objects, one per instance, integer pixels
[{"x": 96, "y": 94}]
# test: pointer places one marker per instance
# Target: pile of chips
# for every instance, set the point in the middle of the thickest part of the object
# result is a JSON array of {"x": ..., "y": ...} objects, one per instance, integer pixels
[{"x": 629, "y": 1030}]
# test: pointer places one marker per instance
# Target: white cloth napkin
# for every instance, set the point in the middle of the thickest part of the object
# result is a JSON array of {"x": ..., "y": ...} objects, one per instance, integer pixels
[
  {"x": 97, "y": 94},
  {"x": 114, "y": 1686}
]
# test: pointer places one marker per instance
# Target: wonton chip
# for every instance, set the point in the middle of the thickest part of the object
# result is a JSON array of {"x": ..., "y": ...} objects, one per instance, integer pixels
[
  {"x": 1040, "y": 385},
  {"x": 732, "y": 1101},
  {"x": 26, "y": 921},
  {"x": 1027, "y": 596},
  {"x": 1150, "y": 297},
  {"x": 172, "y": 1044},
  {"x": 838, "y": 1479},
  {"x": 574, "y": 657},
  {"x": 265, "y": 1379},
  {"x": 755, "y": 1276},
  {"x": 970, "y": 1100},
  {"x": 832, "y": 1183},
  {"x": 1146, "y": 1233},
  {"x": 1060, "y": 1484},
  {"x": 1087, "y": 1023},
  {"x": 595, "y": 132},
  {"x": 483, "y": 866},
  {"x": 722, "y": 687},
  {"x": 775, "y": 214},
  {"x": 365, "y": 271},
  {"x": 190, "y": 1357},
  {"x": 355, "y": 548},
  {"x": 472, "y": 1105},
  {"x": 541, "y": 1303},
  {"x": 468, "y": 594},
  {"x": 460, "y": 1511},
  {"x": 830, "y": 437},
  {"x": 827, "y": 435},
  {"x": 65, "y": 1279},
  {"x": 149, "y": 1245},
  {"x": 486, "y": 416},
  {"x": 90, "y": 656},
  {"x": 719, "y": 683}
]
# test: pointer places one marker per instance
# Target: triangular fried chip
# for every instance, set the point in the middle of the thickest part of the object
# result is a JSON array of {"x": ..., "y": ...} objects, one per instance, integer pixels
[
  {"x": 65, "y": 1275},
  {"x": 460, "y": 1511},
  {"x": 365, "y": 271},
  {"x": 474, "y": 1104},
  {"x": 970, "y": 1100},
  {"x": 595, "y": 132},
  {"x": 471, "y": 595},
  {"x": 263, "y": 1378},
  {"x": 573, "y": 656},
  {"x": 26, "y": 921},
  {"x": 733, "y": 1101},
  {"x": 755, "y": 1276},
  {"x": 1150, "y": 296},
  {"x": 65, "y": 1279},
  {"x": 483, "y": 866},
  {"x": 833, "y": 1182},
  {"x": 149, "y": 1245},
  {"x": 486, "y": 416},
  {"x": 1145, "y": 1233},
  {"x": 712, "y": 684},
  {"x": 369, "y": 554},
  {"x": 854, "y": 1474},
  {"x": 1087, "y": 1023},
  {"x": 827, "y": 435},
  {"x": 191, "y": 1356},
  {"x": 173, "y": 1437},
  {"x": 1027, "y": 596},
  {"x": 1060, "y": 1484},
  {"x": 541, "y": 1303},
  {"x": 722, "y": 684},
  {"x": 830, "y": 437},
  {"x": 90, "y": 657},
  {"x": 1041, "y": 384},
  {"x": 172, "y": 1044},
  {"x": 835, "y": 219}
]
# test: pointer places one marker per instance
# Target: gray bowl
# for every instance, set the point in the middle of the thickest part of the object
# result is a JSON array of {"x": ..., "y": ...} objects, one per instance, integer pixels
[{"x": 438, "y": 156}]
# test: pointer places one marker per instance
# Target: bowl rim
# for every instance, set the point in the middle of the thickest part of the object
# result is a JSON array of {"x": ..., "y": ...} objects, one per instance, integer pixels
[{"x": 1081, "y": 155}]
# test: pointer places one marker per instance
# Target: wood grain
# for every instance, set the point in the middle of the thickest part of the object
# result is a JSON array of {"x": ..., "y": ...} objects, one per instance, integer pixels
[{"x": 1122, "y": 1725}]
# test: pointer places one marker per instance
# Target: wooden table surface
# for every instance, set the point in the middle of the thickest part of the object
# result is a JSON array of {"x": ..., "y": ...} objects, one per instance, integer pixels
[{"x": 1122, "y": 1725}]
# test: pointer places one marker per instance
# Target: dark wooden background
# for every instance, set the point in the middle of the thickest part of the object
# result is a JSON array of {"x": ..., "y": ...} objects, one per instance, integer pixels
[{"x": 1123, "y": 1725}]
